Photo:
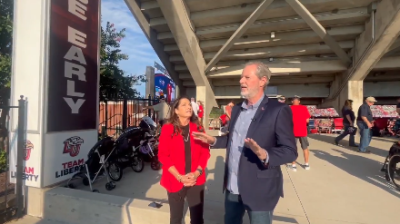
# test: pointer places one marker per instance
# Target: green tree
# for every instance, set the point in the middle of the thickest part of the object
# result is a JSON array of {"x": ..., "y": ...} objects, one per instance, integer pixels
[
  {"x": 113, "y": 81},
  {"x": 6, "y": 25}
]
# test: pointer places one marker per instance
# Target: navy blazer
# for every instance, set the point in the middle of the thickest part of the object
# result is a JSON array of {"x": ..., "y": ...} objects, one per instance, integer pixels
[{"x": 260, "y": 185}]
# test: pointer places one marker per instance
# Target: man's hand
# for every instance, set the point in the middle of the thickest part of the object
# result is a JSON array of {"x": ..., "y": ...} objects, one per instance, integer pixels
[
  {"x": 369, "y": 125},
  {"x": 204, "y": 137},
  {"x": 261, "y": 153}
]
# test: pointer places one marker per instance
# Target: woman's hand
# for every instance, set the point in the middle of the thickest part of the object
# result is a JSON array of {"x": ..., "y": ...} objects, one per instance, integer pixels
[{"x": 191, "y": 179}]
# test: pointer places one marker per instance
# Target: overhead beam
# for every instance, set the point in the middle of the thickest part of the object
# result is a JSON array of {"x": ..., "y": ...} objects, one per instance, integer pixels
[
  {"x": 151, "y": 36},
  {"x": 305, "y": 67},
  {"x": 178, "y": 20},
  {"x": 394, "y": 48},
  {"x": 278, "y": 8},
  {"x": 278, "y": 51},
  {"x": 238, "y": 33},
  {"x": 381, "y": 32},
  {"x": 319, "y": 29},
  {"x": 328, "y": 18},
  {"x": 281, "y": 39}
]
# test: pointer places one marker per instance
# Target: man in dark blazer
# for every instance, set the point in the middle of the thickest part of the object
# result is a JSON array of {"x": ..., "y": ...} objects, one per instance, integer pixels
[{"x": 260, "y": 140}]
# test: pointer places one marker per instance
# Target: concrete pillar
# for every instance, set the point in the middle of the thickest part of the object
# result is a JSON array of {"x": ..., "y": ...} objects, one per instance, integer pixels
[
  {"x": 56, "y": 67},
  {"x": 150, "y": 81},
  {"x": 354, "y": 91}
]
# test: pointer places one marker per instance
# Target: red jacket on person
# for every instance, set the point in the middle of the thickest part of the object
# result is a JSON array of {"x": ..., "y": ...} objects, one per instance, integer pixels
[{"x": 171, "y": 152}]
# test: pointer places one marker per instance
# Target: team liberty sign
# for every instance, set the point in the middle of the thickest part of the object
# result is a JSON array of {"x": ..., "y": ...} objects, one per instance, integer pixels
[
  {"x": 72, "y": 146},
  {"x": 73, "y": 71}
]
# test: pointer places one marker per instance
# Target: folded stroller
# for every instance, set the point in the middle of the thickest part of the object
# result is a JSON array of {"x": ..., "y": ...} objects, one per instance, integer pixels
[{"x": 95, "y": 165}]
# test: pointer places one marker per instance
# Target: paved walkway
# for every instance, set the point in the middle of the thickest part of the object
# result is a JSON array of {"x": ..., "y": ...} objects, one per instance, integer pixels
[{"x": 342, "y": 187}]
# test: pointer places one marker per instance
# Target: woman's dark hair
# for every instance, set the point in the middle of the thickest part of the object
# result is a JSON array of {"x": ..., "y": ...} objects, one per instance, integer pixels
[
  {"x": 174, "y": 119},
  {"x": 348, "y": 104}
]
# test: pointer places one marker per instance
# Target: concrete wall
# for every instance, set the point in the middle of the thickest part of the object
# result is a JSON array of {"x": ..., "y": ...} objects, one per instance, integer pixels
[{"x": 382, "y": 89}]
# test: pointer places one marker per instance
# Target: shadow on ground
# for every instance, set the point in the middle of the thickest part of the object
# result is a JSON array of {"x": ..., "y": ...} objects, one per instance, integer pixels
[
  {"x": 365, "y": 169},
  {"x": 330, "y": 140}
]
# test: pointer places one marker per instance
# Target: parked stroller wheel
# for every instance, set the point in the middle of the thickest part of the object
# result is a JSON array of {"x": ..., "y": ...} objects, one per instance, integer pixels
[
  {"x": 110, "y": 186},
  {"x": 155, "y": 164},
  {"x": 85, "y": 181},
  {"x": 115, "y": 172},
  {"x": 137, "y": 164},
  {"x": 95, "y": 190}
]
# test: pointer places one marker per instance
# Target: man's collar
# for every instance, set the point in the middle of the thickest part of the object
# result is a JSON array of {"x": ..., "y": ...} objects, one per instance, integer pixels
[{"x": 246, "y": 106}]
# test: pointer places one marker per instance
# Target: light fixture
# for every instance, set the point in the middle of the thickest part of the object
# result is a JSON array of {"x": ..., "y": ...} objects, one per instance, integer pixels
[
  {"x": 271, "y": 59},
  {"x": 272, "y": 34}
]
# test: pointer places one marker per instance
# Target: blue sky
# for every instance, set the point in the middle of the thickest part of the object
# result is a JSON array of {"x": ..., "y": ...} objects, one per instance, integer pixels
[{"x": 135, "y": 44}]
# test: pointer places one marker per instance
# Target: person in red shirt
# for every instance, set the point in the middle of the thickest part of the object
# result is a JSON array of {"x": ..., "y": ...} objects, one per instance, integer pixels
[
  {"x": 200, "y": 112},
  {"x": 301, "y": 117},
  {"x": 169, "y": 92}
]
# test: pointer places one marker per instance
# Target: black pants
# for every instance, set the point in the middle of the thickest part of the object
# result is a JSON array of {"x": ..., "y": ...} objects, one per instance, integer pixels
[{"x": 195, "y": 198}]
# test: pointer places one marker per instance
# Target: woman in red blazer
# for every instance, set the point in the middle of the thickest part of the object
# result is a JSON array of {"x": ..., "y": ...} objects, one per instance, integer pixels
[{"x": 183, "y": 160}]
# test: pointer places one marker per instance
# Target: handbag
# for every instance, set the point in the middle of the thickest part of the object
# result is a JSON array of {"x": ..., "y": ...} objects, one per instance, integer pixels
[{"x": 352, "y": 130}]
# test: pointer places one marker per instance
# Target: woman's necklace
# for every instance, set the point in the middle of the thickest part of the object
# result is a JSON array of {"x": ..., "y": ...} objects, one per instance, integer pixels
[{"x": 188, "y": 134}]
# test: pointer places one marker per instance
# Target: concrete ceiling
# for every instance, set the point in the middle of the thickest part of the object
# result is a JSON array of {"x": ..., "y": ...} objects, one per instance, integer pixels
[{"x": 296, "y": 50}]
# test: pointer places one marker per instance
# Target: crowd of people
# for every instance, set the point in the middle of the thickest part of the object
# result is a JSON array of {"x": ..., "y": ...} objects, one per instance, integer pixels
[{"x": 261, "y": 136}]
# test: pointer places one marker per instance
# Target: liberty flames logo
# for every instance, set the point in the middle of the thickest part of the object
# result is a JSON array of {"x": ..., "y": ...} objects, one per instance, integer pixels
[
  {"x": 73, "y": 146},
  {"x": 28, "y": 149}
]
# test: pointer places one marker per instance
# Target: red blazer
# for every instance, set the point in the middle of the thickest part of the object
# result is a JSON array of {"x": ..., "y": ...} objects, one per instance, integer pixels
[{"x": 171, "y": 152}]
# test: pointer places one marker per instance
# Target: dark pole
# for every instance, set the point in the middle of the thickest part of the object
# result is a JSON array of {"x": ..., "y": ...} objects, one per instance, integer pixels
[
  {"x": 124, "y": 114},
  {"x": 149, "y": 103},
  {"x": 20, "y": 155}
]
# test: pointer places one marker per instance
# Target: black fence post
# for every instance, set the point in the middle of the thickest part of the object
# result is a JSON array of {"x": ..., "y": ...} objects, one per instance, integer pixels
[
  {"x": 124, "y": 114},
  {"x": 105, "y": 131},
  {"x": 20, "y": 155},
  {"x": 149, "y": 104}
]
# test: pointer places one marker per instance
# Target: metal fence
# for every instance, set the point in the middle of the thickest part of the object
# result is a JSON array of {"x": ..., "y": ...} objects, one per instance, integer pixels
[
  {"x": 11, "y": 195},
  {"x": 116, "y": 115}
]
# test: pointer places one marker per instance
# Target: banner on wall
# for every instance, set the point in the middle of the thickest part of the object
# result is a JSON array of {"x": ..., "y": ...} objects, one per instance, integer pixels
[
  {"x": 73, "y": 65},
  {"x": 164, "y": 86},
  {"x": 73, "y": 97}
]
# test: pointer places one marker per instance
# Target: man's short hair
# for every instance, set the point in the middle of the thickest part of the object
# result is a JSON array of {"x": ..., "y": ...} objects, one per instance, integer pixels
[
  {"x": 262, "y": 69},
  {"x": 296, "y": 97}
]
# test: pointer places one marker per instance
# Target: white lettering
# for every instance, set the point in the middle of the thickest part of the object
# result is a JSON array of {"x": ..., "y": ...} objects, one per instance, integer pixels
[
  {"x": 76, "y": 37},
  {"x": 71, "y": 89},
  {"x": 75, "y": 54},
  {"x": 77, "y": 8},
  {"x": 75, "y": 106},
  {"x": 74, "y": 69}
]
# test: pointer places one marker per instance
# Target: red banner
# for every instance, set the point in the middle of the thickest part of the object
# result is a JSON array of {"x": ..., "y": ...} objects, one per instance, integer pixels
[{"x": 73, "y": 65}]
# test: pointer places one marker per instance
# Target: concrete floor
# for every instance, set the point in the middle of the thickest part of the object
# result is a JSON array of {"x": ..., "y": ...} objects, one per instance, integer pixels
[{"x": 341, "y": 187}]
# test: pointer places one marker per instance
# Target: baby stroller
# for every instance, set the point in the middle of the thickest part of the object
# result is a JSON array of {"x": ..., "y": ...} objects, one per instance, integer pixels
[
  {"x": 149, "y": 145},
  {"x": 391, "y": 165},
  {"x": 95, "y": 165},
  {"x": 125, "y": 153}
]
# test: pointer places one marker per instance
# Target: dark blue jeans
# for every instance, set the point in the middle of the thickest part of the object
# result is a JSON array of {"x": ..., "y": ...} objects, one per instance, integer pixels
[
  {"x": 365, "y": 136},
  {"x": 344, "y": 134},
  {"x": 235, "y": 209}
]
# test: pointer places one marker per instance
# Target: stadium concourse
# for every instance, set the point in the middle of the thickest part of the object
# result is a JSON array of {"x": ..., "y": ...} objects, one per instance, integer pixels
[
  {"x": 325, "y": 51},
  {"x": 343, "y": 187}
]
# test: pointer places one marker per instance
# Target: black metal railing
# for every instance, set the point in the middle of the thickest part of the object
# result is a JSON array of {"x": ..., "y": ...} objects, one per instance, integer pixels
[
  {"x": 11, "y": 195},
  {"x": 117, "y": 114}
]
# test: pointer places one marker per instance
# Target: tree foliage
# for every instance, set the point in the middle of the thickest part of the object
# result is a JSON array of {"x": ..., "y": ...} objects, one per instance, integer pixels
[
  {"x": 6, "y": 25},
  {"x": 113, "y": 81}
]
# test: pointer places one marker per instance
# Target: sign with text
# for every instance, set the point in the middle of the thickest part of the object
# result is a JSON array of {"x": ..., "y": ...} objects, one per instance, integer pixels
[{"x": 73, "y": 65}]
